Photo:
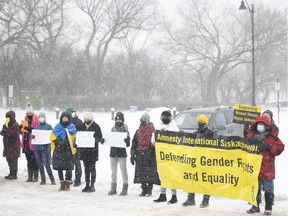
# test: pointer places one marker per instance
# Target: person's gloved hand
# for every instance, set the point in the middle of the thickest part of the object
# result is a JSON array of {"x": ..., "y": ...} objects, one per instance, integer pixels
[
  {"x": 75, "y": 145},
  {"x": 264, "y": 147},
  {"x": 32, "y": 136},
  {"x": 102, "y": 141},
  {"x": 132, "y": 160},
  {"x": 127, "y": 141},
  {"x": 28, "y": 128}
]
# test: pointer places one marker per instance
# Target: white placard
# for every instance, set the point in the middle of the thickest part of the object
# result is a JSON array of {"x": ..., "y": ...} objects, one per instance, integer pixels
[
  {"x": 85, "y": 139},
  {"x": 41, "y": 137},
  {"x": 115, "y": 139}
]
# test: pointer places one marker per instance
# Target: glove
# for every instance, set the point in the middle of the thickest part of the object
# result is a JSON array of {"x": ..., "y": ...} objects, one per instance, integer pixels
[
  {"x": 28, "y": 128},
  {"x": 132, "y": 160},
  {"x": 74, "y": 145},
  {"x": 94, "y": 135},
  {"x": 102, "y": 141},
  {"x": 32, "y": 136},
  {"x": 264, "y": 147},
  {"x": 3, "y": 131},
  {"x": 127, "y": 141}
]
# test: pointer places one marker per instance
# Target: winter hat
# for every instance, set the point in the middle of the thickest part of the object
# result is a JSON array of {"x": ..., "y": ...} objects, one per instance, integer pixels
[
  {"x": 42, "y": 114},
  {"x": 70, "y": 109},
  {"x": 145, "y": 117},
  {"x": 166, "y": 113},
  {"x": 269, "y": 112},
  {"x": 202, "y": 118},
  {"x": 119, "y": 116},
  {"x": 67, "y": 114},
  {"x": 29, "y": 108},
  {"x": 88, "y": 116}
]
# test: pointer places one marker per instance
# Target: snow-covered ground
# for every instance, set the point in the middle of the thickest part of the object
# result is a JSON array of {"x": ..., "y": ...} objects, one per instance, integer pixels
[{"x": 20, "y": 198}]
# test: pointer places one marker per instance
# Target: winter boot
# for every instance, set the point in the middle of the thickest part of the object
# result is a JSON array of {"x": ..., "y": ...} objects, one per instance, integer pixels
[
  {"x": 36, "y": 174},
  {"x": 268, "y": 203},
  {"x": 86, "y": 188},
  {"x": 162, "y": 198},
  {"x": 8, "y": 176},
  {"x": 30, "y": 175},
  {"x": 62, "y": 186},
  {"x": 149, "y": 190},
  {"x": 77, "y": 183},
  {"x": 52, "y": 180},
  {"x": 67, "y": 185},
  {"x": 173, "y": 200},
  {"x": 253, "y": 210},
  {"x": 113, "y": 189},
  {"x": 13, "y": 175},
  {"x": 205, "y": 201},
  {"x": 190, "y": 200},
  {"x": 144, "y": 189},
  {"x": 124, "y": 190},
  {"x": 92, "y": 188},
  {"x": 43, "y": 180}
]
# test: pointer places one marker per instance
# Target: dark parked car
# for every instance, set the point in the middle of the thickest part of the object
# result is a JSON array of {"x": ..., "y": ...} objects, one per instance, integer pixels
[{"x": 220, "y": 120}]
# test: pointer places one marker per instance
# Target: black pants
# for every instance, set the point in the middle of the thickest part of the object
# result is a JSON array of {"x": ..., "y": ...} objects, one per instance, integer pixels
[
  {"x": 78, "y": 168},
  {"x": 31, "y": 160},
  {"x": 13, "y": 165},
  {"x": 90, "y": 169}
]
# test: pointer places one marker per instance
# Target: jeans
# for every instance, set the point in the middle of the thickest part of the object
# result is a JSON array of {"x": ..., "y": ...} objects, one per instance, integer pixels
[
  {"x": 42, "y": 155},
  {"x": 68, "y": 175}
]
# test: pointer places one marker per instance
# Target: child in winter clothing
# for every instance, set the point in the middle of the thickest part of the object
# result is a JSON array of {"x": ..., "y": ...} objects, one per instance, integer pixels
[
  {"x": 31, "y": 120},
  {"x": 260, "y": 133},
  {"x": 89, "y": 156},
  {"x": 42, "y": 152},
  {"x": 143, "y": 154},
  {"x": 62, "y": 142},
  {"x": 167, "y": 125},
  {"x": 11, "y": 141},
  {"x": 119, "y": 155}
]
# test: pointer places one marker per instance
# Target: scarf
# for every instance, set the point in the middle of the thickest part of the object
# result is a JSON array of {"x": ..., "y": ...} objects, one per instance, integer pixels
[
  {"x": 144, "y": 136},
  {"x": 59, "y": 130}
]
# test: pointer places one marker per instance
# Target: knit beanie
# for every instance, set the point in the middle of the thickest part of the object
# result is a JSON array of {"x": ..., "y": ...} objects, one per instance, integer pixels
[
  {"x": 269, "y": 112},
  {"x": 29, "y": 108},
  {"x": 42, "y": 114},
  {"x": 202, "y": 118},
  {"x": 166, "y": 113},
  {"x": 145, "y": 117},
  {"x": 119, "y": 116},
  {"x": 70, "y": 109},
  {"x": 88, "y": 116}
]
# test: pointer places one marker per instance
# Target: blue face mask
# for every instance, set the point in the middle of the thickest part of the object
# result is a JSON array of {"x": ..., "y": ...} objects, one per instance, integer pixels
[{"x": 261, "y": 128}]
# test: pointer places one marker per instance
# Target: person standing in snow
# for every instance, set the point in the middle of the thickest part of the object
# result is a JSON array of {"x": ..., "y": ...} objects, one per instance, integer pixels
[
  {"x": 202, "y": 131},
  {"x": 30, "y": 122},
  {"x": 260, "y": 133},
  {"x": 143, "y": 154},
  {"x": 62, "y": 142},
  {"x": 42, "y": 152},
  {"x": 119, "y": 155},
  {"x": 89, "y": 156},
  {"x": 167, "y": 125},
  {"x": 78, "y": 169},
  {"x": 11, "y": 142}
]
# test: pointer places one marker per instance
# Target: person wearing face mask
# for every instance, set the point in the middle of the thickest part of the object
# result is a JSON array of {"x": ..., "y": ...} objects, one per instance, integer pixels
[
  {"x": 89, "y": 156},
  {"x": 43, "y": 152},
  {"x": 167, "y": 125},
  {"x": 261, "y": 134},
  {"x": 119, "y": 155},
  {"x": 78, "y": 168},
  {"x": 143, "y": 156},
  {"x": 202, "y": 131},
  {"x": 11, "y": 142},
  {"x": 31, "y": 120},
  {"x": 62, "y": 140}
]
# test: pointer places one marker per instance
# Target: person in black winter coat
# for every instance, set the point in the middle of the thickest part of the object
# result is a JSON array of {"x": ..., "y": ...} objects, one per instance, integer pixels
[{"x": 89, "y": 156}]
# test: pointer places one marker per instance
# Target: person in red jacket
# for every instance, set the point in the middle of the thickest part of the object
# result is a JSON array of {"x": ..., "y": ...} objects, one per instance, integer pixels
[{"x": 260, "y": 133}]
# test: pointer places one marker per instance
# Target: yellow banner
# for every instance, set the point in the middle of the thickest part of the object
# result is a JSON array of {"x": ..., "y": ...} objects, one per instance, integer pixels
[{"x": 226, "y": 167}]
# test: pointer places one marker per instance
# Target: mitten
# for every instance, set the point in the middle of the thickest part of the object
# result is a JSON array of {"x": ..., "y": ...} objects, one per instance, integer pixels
[
  {"x": 102, "y": 140},
  {"x": 32, "y": 136},
  {"x": 74, "y": 145},
  {"x": 132, "y": 160},
  {"x": 264, "y": 147},
  {"x": 127, "y": 141}
]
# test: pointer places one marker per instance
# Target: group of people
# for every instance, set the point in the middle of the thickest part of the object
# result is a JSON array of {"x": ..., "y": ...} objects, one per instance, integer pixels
[{"x": 66, "y": 155}]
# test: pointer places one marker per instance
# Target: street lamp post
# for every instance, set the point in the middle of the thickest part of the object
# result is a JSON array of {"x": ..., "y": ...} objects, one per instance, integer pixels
[{"x": 251, "y": 10}]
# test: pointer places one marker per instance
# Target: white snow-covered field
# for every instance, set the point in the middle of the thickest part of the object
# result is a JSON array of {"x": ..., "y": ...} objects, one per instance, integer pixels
[{"x": 20, "y": 198}]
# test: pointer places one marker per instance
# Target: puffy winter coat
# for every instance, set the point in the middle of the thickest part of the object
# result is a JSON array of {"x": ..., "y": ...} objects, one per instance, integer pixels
[
  {"x": 26, "y": 142},
  {"x": 91, "y": 154},
  {"x": 11, "y": 138},
  {"x": 267, "y": 171},
  {"x": 146, "y": 165}
]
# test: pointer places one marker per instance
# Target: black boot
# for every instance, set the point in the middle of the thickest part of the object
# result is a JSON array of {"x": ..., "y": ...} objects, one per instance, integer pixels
[
  {"x": 149, "y": 190},
  {"x": 30, "y": 175},
  {"x": 86, "y": 188},
  {"x": 162, "y": 198},
  {"x": 173, "y": 199},
  {"x": 190, "y": 200},
  {"x": 268, "y": 203},
  {"x": 92, "y": 188},
  {"x": 253, "y": 210},
  {"x": 144, "y": 189},
  {"x": 8, "y": 176},
  {"x": 205, "y": 201},
  {"x": 36, "y": 174},
  {"x": 43, "y": 180}
]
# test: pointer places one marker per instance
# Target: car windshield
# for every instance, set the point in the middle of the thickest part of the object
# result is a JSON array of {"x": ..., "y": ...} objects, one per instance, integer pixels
[{"x": 187, "y": 120}]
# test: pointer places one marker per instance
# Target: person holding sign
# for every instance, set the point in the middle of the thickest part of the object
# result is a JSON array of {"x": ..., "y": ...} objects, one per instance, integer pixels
[
  {"x": 89, "y": 156},
  {"x": 11, "y": 142},
  {"x": 30, "y": 122},
  {"x": 119, "y": 155},
  {"x": 260, "y": 134},
  {"x": 202, "y": 131},
  {"x": 42, "y": 151},
  {"x": 143, "y": 154},
  {"x": 62, "y": 142},
  {"x": 167, "y": 125}
]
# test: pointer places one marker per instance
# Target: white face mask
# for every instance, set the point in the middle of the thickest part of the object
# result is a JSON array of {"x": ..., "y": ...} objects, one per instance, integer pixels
[
  {"x": 73, "y": 114},
  {"x": 41, "y": 120},
  {"x": 261, "y": 128}
]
